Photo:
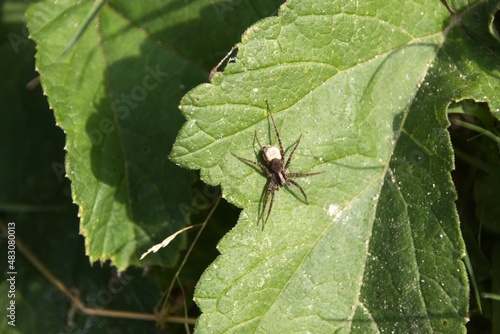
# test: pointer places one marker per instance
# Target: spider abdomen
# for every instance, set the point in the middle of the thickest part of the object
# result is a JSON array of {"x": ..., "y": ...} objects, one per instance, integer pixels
[{"x": 271, "y": 153}]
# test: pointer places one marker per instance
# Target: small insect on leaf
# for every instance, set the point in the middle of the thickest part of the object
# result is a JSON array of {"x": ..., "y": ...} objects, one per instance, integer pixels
[{"x": 275, "y": 168}]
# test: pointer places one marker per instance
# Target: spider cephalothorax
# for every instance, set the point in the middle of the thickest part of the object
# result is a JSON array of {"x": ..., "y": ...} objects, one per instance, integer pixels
[{"x": 276, "y": 170}]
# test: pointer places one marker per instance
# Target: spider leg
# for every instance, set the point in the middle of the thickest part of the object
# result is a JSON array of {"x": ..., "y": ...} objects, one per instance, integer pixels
[
  {"x": 264, "y": 204},
  {"x": 276, "y": 130},
  {"x": 265, "y": 197},
  {"x": 257, "y": 139},
  {"x": 271, "y": 188},
  {"x": 289, "y": 160},
  {"x": 302, "y": 174},
  {"x": 255, "y": 163},
  {"x": 300, "y": 188}
]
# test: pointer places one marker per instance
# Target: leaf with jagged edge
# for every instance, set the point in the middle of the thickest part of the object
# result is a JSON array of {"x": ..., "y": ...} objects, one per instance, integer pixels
[
  {"x": 378, "y": 247},
  {"x": 115, "y": 89}
]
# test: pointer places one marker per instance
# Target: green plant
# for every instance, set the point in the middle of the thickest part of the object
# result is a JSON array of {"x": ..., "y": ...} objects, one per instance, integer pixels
[{"x": 368, "y": 85}]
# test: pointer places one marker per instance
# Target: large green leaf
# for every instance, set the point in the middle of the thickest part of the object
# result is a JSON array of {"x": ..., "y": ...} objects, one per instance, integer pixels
[
  {"x": 115, "y": 94},
  {"x": 104, "y": 93},
  {"x": 378, "y": 248}
]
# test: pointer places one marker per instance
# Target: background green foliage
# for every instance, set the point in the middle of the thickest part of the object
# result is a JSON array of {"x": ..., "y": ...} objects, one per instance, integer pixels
[{"x": 367, "y": 85}]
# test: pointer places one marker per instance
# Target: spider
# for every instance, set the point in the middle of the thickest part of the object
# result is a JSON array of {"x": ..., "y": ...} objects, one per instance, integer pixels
[{"x": 276, "y": 170}]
